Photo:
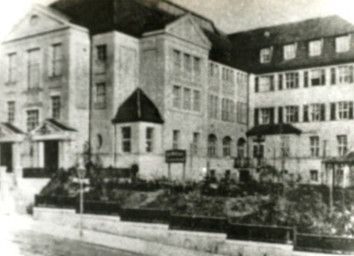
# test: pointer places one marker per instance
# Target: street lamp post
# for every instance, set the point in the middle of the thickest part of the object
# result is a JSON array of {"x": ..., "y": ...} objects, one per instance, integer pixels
[{"x": 81, "y": 172}]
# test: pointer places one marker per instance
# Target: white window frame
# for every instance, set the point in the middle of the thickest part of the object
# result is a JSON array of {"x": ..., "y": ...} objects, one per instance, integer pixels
[
  {"x": 291, "y": 80},
  {"x": 56, "y": 106},
  {"x": 11, "y": 111},
  {"x": 177, "y": 96},
  {"x": 291, "y": 114},
  {"x": 342, "y": 43},
  {"x": 264, "y": 115},
  {"x": 315, "y": 47},
  {"x": 126, "y": 139},
  {"x": 315, "y": 112},
  {"x": 187, "y": 99},
  {"x": 32, "y": 122},
  {"x": 315, "y": 146},
  {"x": 265, "y": 55},
  {"x": 56, "y": 68},
  {"x": 289, "y": 51},
  {"x": 343, "y": 110},
  {"x": 226, "y": 146},
  {"x": 33, "y": 68},
  {"x": 149, "y": 139},
  {"x": 342, "y": 141},
  {"x": 345, "y": 74}
]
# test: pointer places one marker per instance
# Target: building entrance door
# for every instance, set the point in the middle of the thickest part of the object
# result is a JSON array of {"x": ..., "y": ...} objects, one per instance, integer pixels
[
  {"x": 6, "y": 155},
  {"x": 51, "y": 154}
]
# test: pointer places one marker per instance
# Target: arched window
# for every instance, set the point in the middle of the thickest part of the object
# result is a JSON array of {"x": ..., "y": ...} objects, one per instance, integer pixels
[
  {"x": 212, "y": 145},
  {"x": 241, "y": 144},
  {"x": 226, "y": 146}
]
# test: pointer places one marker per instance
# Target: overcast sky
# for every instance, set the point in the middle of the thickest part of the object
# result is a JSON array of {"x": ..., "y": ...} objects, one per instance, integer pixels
[{"x": 229, "y": 15}]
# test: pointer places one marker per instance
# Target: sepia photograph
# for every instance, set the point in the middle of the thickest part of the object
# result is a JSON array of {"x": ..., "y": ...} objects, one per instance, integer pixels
[{"x": 177, "y": 127}]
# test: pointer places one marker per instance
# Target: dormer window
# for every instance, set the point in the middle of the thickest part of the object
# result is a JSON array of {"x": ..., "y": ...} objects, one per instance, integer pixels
[
  {"x": 315, "y": 48},
  {"x": 266, "y": 55},
  {"x": 342, "y": 43},
  {"x": 289, "y": 51}
]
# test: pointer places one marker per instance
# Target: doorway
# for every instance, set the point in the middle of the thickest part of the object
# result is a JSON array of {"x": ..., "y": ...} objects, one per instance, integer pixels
[
  {"x": 51, "y": 154},
  {"x": 6, "y": 155}
]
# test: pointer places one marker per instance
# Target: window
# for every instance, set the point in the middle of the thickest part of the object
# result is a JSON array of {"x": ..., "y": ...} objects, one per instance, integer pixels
[
  {"x": 187, "y": 99},
  {"x": 56, "y": 62},
  {"x": 289, "y": 51},
  {"x": 126, "y": 139},
  {"x": 100, "y": 100},
  {"x": 101, "y": 52},
  {"x": 213, "y": 106},
  {"x": 318, "y": 77},
  {"x": 227, "y": 75},
  {"x": 315, "y": 48},
  {"x": 32, "y": 119},
  {"x": 177, "y": 60},
  {"x": 241, "y": 144},
  {"x": 227, "y": 110},
  {"x": 149, "y": 137},
  {"x": 11, "y": 64},
  {"x": 315, "y": 112},
  {"x": 187, "y": 63},
  {"x": 345, "y": 110},
  {"x": 213, "y": 70},
  {"x": 333, "y": 76},
  {"x": 56, "y": 107},
  {"x": 265, "y": 84},
  {"x": 315, "y": 146},
  {"x": 175, "y": 139},
  {"x": 285, "y": 146},
  {"x": 33, "y": 68},
  {"x": 292, "y": 80},
  {"x": 196, "y": 100},
  {"x": 241, "y": 112},
  {"x": 345, "y": 74},
  {"x": 195, "y": 145},
  {"x": 212, "y": 145},
  {"x": 258, "y": 150},
  {"x": 11, "y": 111},
  {"x": 342, "y": 43},
  {"x": 197, "y": 67},
  {"x": 342, "y": 144},
  {"x": 292, "y": 114},
  {"x": 265, "y": 55},
  {"x": 314, "y": 175},
  {"x": 177, "y": 96},
  {"x": 226, "y": 143},
  {"x": 265, "y": 115}
]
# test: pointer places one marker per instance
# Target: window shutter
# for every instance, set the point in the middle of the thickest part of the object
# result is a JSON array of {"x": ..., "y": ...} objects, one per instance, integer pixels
[
  {"x": 255, "y": 153},
  {"x": 256, "y": 116},
  {"x": 306, "y": 113},
  {"x": 323, "y": 112},
  {"x": 272, "y": 115},
  {"x": 333, "y": 111},
  {"x": 256, "y": 85},
  {"x": 351, "y": 110},
  {"x": 306, "y": 79},
  {"x": 297, "y": 114},
  {"x": 323, "y": 78},
  {"x": 280, "y": 82},
  {"x": 351, "y": 74},
  {"x": 280, "y": 115},
  {"x": 296, "y": 80},
  {"x": 272, "y": 83},
  {"x": 333, "y": 76}
]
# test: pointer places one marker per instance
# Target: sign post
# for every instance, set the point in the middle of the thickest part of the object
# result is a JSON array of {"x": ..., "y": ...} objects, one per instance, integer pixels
[
  {"x": 81, "y": 172},
  {"x": 176, "y": 156}
]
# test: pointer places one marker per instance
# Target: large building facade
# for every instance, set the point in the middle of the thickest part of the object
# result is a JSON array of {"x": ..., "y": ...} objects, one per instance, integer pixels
[{"x": 127, "y": 80}]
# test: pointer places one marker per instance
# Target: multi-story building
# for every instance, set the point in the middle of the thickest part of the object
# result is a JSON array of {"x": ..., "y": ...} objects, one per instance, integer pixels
[
  {"x": 131, "y": 78},
  {"x": 301, "y": 97}
]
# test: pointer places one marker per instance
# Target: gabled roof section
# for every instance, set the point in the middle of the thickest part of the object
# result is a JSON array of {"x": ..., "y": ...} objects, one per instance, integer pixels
[
  {"x": 273, "y": 129},
  {"x": 12, "y": 128},
  {"x": 138, "y": 108},
  {"x": 51, "y": 126},
  {"x": 61, "y": 125}
]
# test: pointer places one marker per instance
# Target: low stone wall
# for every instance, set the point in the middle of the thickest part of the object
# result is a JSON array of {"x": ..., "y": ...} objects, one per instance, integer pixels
[{"x": 160, "y": 234}]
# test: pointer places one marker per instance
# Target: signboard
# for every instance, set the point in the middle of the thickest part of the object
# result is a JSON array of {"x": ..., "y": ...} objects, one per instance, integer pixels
[{"x": 175, "y": 156}]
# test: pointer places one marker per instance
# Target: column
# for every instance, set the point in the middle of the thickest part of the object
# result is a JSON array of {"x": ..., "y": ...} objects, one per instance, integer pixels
[{"x": 40, "y": 154}]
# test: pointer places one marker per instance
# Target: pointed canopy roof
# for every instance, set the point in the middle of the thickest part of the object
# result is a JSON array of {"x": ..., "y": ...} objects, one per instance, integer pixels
[{"x": 138, "y": 108}]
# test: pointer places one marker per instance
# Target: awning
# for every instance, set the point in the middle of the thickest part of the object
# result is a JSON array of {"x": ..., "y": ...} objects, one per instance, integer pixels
[
  {"x": 273, "y": 129},
  {"x": 10, "y": 133},
  {"x": 52, "y": 129}
]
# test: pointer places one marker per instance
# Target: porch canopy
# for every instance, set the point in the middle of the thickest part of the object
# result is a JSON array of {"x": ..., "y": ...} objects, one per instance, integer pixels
[
  {"x": 52, "y": 129},
  {"x": 10, "y": 133},
  {"x": 346, "y": 159},
  {"x": 272, "y": 129}
]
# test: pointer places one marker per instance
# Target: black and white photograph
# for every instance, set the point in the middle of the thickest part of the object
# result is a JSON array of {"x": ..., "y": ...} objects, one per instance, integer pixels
[{"x": 176, "y": 127}]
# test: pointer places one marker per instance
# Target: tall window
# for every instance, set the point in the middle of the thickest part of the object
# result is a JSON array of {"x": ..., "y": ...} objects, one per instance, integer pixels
[
  {"x": 318, "y": 77},
  {"x": 177, "y": 60},
  {"x": 317, "y": 112},
  {"x": 241, "y": 143},
  {"x": 265, "y": 115},
  {"x": 57, "y": 59},
  {"x": 265, "y": 55},
  {"x": 314, "y": 175},
  {"x": 195, "y": 145},
  {"x": 33, "y": 69},
  {"x": 226, "y": 143},
  {"x": 292, "y": 80},
  {"x": 187, "y": 62},
  {"x": 285, "y": 146},
  {"x": 149, "y": 137},
  {"x": 175, "y": 139},
  {"x": 197, "y": 67},
  {"x": 289, "y": 51},
  {"x": 196, "y": 100},
  {"x": 101, "y": 52},
  {"x": 345, "y": 74},
  {"x": 100, "y": 100},
  {"x": 258, "y": 150},
  {"x": 315, "y": 145},
  {"x": 241, "y": 112},
  {"x": 11, "y": 111},
  {"x": 213, "y": 106},
  {"x": 344, "y": 110},
  {"x": 177, "y": 96},
  {"x": 126, "y": 139},
  {"x": 265, "y": 84},
  {"x": 291, "y": 114},
  {"x": 315, "y": 48},
  {"x": 11, "y": 64},
  {"x": 213, "y": 70},
  {"x": 342, "y": 43},
  {"x": 56, "y": 107},
  {"x": 342, "y": 144},
  {"x": 212, "y": 145},
  {"x": 227, "y": 110},
  {"x": 187, "y": 99},
  {"x": 32, "y": 119}
]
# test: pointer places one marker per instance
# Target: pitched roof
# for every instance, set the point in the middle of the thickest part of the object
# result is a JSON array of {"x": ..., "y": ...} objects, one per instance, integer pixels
[
  {"x": 273, "y": 129},
  {"x": 61, "y": 125},
  {"x": 12, "y": 128},
  {"x": 136, "y": 17},
  {"x": 247, "y": 44},
  {"x": 138, "y": 108}
]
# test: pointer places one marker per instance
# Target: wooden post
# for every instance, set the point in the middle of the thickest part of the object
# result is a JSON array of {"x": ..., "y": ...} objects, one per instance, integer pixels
[{"x": 169, "y": 171}]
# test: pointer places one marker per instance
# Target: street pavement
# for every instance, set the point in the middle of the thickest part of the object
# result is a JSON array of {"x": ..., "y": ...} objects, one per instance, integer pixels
[{"x": 18, "y": 237}]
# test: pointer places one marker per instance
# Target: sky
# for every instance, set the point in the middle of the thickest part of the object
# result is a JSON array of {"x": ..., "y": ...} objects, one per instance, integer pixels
[{"x": 228, "y": 15}]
